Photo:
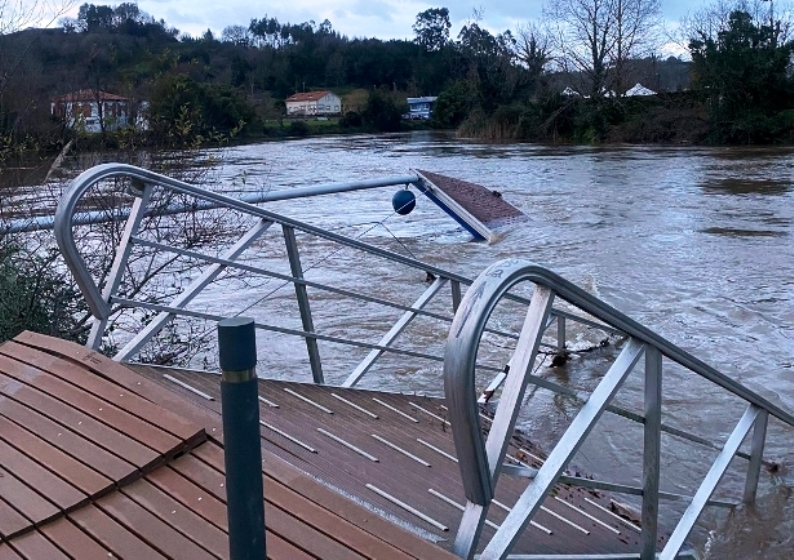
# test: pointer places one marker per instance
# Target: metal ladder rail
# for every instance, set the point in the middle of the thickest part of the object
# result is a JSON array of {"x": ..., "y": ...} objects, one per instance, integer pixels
[{"x": 480, "y": 460}]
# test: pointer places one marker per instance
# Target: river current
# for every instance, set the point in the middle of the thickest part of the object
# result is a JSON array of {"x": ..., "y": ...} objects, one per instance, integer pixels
[{"x": 695, "y": 243}]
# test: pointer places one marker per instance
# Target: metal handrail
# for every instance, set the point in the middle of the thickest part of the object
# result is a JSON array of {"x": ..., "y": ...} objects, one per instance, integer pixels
[
  {"x": 143, "y": 182},
  {"x": 480, "y": 460}
]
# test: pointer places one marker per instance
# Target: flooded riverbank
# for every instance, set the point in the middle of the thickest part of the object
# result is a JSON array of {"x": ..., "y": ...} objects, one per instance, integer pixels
[{"x": 696, "y": 243}]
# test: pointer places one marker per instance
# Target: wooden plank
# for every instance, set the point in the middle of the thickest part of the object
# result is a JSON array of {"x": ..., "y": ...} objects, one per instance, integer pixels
[
  {"x": 31, "y": 473},
  {"x": 112, "y": 535},
  {"x": 103, "y": 411},
  {"x": 212, "y": 455},
  {"x": 178, "y": 516},
  {"x": 329, "y": 523},
  {"x": 82, "y": 377},
  {"x": 112, "y": 440},
  {"x": 24, "y": 499},
  {"x": 11, "y": 521},
  {"x": 190, "y": 495},
  {"x": 34, "y": 546},
  {"x": 279, "y": 549},
  {"x": 364, "y": 519},
  {"x": 151, "y": 528},
  {"x": 210, "y": 479},
  {"x": 304, "y": 535},
  {"x": 7, "y": 553},
  {"x": 57, "y": 435},
  {"x": 74, "y": 541},
  {"x": 75, "y": 473},
  {"x": 124, "y": 377}
]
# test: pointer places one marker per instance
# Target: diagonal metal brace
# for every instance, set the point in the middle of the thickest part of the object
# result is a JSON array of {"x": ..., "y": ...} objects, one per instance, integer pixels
[{"x": 532, "y": 498}]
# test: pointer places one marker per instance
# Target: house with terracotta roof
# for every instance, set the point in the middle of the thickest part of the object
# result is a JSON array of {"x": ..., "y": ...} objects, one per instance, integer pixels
[
  {"x": 314, "y": 103},
  {"x": 92, "y": 110}
]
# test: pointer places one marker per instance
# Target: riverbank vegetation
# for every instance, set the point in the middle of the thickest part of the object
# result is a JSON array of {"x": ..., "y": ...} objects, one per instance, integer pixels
[{"x": 564, "y": 78}]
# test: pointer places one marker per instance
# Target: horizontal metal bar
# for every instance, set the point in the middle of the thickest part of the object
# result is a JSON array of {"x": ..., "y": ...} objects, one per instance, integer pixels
[
  {"x": 41, "y": 223},
  {"x": 310, "y": 284},
  {"x": 634, "y": 490},
  {"x": 213, "y": 317}
]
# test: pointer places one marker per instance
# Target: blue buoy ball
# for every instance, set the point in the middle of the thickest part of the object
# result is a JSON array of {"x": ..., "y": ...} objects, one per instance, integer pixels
[{"x": 403, "y": 202}]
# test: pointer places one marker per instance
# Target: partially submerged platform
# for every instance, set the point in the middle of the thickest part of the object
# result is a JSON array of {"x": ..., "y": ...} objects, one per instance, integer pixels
[{"x": 478, "y": 209}]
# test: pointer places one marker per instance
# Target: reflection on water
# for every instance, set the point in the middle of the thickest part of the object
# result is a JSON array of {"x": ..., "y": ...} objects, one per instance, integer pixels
[
  {"x": 742, "y": 185},
  {"x": 734, "y": 232}
]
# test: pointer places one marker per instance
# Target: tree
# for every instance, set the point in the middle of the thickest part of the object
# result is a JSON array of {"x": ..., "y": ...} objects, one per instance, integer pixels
[
  {"x": 743, "y": 68},
  {"x": 597, "y": 37},
  {"x": 237, "y": 35},
  {"x": 95, "y": 18},
  {"x": 431, "y": 29}
]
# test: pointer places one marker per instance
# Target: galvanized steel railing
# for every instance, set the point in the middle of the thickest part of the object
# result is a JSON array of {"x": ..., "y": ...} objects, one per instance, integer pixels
[
  {"x": 481, "y": 459},
  {"x": 142, "y": 184}
]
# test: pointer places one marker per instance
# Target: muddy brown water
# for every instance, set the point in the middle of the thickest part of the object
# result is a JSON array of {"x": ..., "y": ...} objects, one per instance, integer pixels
[{"x": 696, "y": 243}]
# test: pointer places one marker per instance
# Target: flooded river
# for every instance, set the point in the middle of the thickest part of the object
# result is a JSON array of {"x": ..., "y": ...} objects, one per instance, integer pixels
[{"x": 696, "y": 243}]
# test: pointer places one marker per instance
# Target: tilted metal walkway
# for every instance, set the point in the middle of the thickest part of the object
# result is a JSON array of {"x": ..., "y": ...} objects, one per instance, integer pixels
[{"x": 481, "y": 460}]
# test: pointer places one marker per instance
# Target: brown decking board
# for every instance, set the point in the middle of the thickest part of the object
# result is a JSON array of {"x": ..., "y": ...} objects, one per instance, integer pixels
[
  {"x": 398, "y": 475},
  {"x": 173, "y": 506},
  {"x": 484, "y": 204}
]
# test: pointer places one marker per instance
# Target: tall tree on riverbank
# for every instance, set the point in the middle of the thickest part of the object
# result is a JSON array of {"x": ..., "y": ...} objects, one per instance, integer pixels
[
  {"x": 431, "y": 29},
  {"x": 598, "y": 37},
  {"x": 743, "y": 69}
]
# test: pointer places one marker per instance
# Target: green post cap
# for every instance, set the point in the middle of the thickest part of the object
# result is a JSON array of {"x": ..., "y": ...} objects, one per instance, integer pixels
[{"x": 237, "y": 344}]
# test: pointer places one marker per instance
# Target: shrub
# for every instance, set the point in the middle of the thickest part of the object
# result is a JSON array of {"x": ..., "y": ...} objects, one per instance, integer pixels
[{"x": 36, "y": 298}]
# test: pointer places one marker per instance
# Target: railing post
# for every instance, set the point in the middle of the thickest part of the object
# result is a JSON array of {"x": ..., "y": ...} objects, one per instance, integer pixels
[
  {"x": 303, "y": 303},
  {"x": 561, "y": 335},
  {"x": 454, "y": 286},
  {"x": 756, "y": 457},
  {"x": 652, "y": 447},
  {"x": 142, "y": 192},
  {"x": 242, "y": 446}
]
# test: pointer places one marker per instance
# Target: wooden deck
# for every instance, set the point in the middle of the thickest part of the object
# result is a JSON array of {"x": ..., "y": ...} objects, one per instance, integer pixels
[
  {"x": 99, "y": 462},
  {"x": 379, "y": 448}
]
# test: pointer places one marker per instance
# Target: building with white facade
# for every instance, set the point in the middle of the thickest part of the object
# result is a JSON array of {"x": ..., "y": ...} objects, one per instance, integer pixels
[
  {"x": 313, "y": 103},
  {"x": 88, "y": 109}
]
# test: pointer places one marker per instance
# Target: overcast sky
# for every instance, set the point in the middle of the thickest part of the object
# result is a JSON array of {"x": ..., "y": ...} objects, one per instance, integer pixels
[{"x": 386, "y": 19}]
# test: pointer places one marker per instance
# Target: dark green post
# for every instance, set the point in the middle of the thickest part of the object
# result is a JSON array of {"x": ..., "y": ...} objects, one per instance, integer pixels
[{"x": 242, "y": 447}]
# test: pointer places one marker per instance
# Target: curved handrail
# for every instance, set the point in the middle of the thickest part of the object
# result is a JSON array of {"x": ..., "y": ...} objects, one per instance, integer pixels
[
  {"x": 463, "y": 342},
  {"x": 77, "y": 188}
]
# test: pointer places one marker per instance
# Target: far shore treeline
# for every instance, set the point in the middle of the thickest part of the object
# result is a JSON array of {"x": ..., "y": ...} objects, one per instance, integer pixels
[{"x": 560, "y": 79}]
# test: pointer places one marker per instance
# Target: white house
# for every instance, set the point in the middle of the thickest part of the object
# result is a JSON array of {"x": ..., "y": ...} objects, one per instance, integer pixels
[
  {"x": 420, "y": 108},
  {"x": 314, "y": 103},
  {"x": 85, "y": 109}
]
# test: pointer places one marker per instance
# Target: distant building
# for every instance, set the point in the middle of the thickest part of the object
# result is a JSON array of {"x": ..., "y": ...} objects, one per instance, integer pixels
[
  {"x": 639, "y": 90},
  {"x": 313, "y": 103},
  {"x": 420, "y": 108},
  {"x": 87, "y": 109}
]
